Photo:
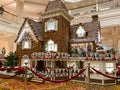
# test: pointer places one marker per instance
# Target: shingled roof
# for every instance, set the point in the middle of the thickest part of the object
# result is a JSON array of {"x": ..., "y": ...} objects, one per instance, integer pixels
[
  {"x": 54, "y": 5},
  {"x": 91, "y": 27},
  {"x": 35, "y": 26}
]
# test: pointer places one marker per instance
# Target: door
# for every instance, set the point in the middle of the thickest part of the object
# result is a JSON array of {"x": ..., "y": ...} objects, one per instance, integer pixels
[{"x": 40, "y": 66}]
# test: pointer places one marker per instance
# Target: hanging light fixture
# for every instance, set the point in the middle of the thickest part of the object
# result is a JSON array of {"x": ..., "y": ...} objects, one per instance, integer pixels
[{"x": 1, "y": 10}]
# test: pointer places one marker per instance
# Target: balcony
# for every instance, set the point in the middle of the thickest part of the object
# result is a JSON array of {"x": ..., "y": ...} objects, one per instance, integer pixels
[{"x": 96, "y": 8}]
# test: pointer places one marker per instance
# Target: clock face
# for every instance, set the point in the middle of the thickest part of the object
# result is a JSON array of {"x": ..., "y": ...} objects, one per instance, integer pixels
[{"x": 51, "y": 25}]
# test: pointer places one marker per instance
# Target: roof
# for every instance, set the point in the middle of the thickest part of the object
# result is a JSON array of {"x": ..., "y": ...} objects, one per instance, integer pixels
[
  {"x": 35, "y": 26},
  {"x": 54, "y": 5},
  {"x": 91, "y": 27}
]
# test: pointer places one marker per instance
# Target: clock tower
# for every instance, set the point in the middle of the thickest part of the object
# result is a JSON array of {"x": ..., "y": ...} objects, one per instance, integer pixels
[{"x": 56, "y": 26}]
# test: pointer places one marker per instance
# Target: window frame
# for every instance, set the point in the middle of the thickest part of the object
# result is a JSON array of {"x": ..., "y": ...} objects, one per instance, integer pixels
[
  {"x": 48, "y": 24},
  {"x": 52, "y": 46},
  {"x": 27, "y": 39},
  {"x": 82, "y": 34}
]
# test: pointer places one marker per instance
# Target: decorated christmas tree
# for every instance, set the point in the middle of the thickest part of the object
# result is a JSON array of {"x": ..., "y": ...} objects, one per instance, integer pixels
[{"x": 11, "y": 60}]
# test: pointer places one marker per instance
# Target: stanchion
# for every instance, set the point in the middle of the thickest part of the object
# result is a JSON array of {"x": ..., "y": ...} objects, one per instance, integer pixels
[
  {"x": 88, "y": 76},
  {"x": 25, "y": 79}
]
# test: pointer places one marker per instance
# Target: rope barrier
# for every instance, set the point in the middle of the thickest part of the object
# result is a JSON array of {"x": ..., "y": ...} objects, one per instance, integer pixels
[
  {"x": 104, "y": 74},
  {"x": 18, "y": 71},
  {"x": 22, "y": 70},
  {"x": 14, "y": 69},
  {"x": 57, "y": 81},
  {"x": 9, "y": 77}
]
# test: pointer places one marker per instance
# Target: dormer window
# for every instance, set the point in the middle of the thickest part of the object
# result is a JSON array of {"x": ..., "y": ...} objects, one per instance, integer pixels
[
  {"x": 26, "y": 43},
  {"x": 80, "y": 32},
  {"x": 51, "y": 25}
]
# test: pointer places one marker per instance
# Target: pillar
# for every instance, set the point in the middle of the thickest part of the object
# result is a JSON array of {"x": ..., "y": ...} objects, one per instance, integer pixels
[
  {"x": 19, "y": 9},
  {"x": 97, "y": 6},
  {"x": 115, "y": 44}
]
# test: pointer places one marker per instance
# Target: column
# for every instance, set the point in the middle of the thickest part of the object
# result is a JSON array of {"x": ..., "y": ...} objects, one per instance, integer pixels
[
  {"x": 97, "y": 6},
  {"x": 19, "y": 9},
  {"x": 115, "y": 44}
]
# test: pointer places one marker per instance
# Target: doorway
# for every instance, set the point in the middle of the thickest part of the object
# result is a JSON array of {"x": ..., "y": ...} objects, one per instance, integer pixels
[{"x": 40, "y": 66}]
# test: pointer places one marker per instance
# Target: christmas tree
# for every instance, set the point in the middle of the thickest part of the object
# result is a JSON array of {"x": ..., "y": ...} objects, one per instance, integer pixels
[{"x": 11, "y": 60}]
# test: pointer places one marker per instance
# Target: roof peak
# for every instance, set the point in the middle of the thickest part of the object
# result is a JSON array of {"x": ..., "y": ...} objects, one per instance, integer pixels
[{"x": 54, "y": 5}]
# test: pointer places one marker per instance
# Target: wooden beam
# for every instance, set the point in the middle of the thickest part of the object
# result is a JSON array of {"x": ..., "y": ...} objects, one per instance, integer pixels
[
  {"x": 41, "y": 4},
  {"x": 9, "y": 3}
]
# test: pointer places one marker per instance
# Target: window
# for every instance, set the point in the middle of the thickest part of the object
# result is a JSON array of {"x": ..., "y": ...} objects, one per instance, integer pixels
[
  {"x": 99, "y": 37},
  {"x": 26, "y": 43},
  {"x": 109, "y": 67},
  {"x": 80, "y": 32},
  {"x": 51, "y": 46},
  {"x": 51, "y": 25},
  {"x": 25, "y": 61}
]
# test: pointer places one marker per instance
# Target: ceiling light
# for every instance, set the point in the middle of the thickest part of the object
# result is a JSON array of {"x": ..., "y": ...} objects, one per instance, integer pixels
[{"x": 73, "y": 1}]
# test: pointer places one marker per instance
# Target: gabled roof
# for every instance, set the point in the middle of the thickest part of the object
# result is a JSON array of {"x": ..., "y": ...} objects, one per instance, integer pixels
[
  {"x": 91, "y": 28},
  {"x": 36, "y": 28},
  {"x": 54, "y": 5}
]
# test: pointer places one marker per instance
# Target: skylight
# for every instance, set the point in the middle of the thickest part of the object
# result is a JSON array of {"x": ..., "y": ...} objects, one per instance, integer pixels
[{"x": 73, "y": 1}]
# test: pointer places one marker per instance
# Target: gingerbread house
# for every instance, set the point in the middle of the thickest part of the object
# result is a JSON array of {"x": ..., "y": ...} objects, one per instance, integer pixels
[{"x": 54, "y": 33}]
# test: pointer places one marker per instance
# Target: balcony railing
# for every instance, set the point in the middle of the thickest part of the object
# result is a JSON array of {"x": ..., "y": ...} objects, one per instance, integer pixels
[{"x": 99, "y": 7}]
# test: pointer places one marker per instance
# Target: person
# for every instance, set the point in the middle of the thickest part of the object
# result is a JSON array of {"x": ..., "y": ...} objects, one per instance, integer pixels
[{"x": 3, "y": 51}]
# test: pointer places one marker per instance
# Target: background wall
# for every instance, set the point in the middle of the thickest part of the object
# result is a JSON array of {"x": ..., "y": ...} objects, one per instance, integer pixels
[
  {"x": 8, "y": 43},
  {"x": 111, "y": 37}
]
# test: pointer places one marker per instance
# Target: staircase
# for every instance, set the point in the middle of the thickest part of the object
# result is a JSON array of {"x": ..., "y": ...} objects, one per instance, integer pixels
[{"x": 37, "y": 79}]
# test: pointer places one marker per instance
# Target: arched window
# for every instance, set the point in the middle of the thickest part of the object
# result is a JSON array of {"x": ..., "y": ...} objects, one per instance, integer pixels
[
  {"x": 80, "y": 31},
  {"x": 51, "y": 46}
]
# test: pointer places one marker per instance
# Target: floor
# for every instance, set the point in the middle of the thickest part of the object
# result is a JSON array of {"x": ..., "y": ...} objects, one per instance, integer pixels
[{"x": 12, "y": 84}]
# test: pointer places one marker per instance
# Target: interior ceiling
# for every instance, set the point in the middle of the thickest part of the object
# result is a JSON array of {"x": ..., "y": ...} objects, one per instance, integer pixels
[{"x": 33, "y": 8}]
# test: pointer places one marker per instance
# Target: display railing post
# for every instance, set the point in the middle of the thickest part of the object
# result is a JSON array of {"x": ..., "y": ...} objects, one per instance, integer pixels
[
  {"x": 25, "y": 78},
  {"x": 88, "y": 76}
]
